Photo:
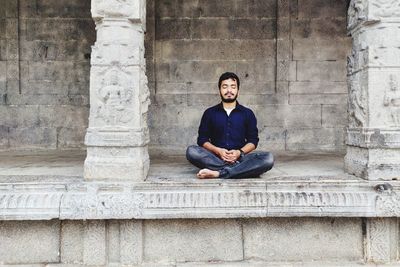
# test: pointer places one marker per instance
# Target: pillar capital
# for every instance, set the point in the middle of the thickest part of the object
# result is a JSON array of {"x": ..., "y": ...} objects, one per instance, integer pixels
[
  {"x": 366, "y": 12},
  {"x": 134, "y": 10}
]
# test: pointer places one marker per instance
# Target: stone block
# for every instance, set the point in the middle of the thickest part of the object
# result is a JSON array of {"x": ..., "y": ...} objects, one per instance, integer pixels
[
  {"x": 4, "y": 137},
  {"x": 254, "y": 28},
  {"x": 303, "y": 116},
  {"x": 64, "y": 9},
  {"x": 181, "y": 88},
  {"x": 63, "y": 116},
  {"x": 319, "y": 87},
  {"x": 319, "y": 28},
  {"x": 33, "y": 138},
  {"x": 269, "y": 115},
  {"x": 334, "y": 115},
  {"x": 3, "y": 28},
  {"x": 173, "y": 137},
  {"x": 175, "y": 115},
  {"x": 12, "y": 70},
  {"x": 256, "y": 71},
  {"x": 303, "y": 238},
  {"x": 204, "y": 100},
  {"x": 64, "y": 71},
  {"x": 30, "y": 242},
  {"x": 272, "y": 139},
  {"x": 59, "y": 30},
  {"x": 222, "y": 8},
  {"x": 14, "y": 98},
  {"x": 249, "y": 86},
  {"x": 3, "y": 49},
  {"x": 72, "y": 242},
  {"x": 169, "y": 99},
  {"x": 20, "y": 116},
  {"x": 165, "y": 8},
  {"x": 192, "y": 240},
  {"x": 260, "y": 8},
  {"x": 329, "y": 99},
  {"x": 333, "y": 71},
  {"x": 211, "y": 28},
  {"x": 94, "y": 243},
  {"x": 52, "y": 50},
  {"x": 172, "y": 28},
  {"x": 12, "y": 49},
  {"x": 11, "y": 8},
  {"x": 113, "y": 242},
  {"x": 321, "y": 49},
  {"x": 183, "y": 71},
  {"x": 131, "y": 242},
  {"x": 3, "y": 70},
  {"x": 12, "y": 28},
  {"x": 322, "y": 8},
  {"x": 68, "y": 137},
  {"x": 318, "y": 139},
  {"x": 242, "y": 50}
]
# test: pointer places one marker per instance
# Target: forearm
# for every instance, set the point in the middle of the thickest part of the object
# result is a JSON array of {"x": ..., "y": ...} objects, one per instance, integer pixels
[
  {"x": 248, "y": 148},
  {"x": 211, "y": 147}
]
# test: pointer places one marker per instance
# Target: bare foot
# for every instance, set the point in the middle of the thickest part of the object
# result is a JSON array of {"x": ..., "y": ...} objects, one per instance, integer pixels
[{"x": 207, "y": 174}]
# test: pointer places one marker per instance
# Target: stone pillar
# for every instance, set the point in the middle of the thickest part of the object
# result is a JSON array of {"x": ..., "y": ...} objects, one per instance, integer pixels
[
  {"x": 117, "y": 136},
  {"x": 373, "y": 136}
]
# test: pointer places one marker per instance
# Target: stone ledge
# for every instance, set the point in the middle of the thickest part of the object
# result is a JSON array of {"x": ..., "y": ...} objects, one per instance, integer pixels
[{"x": 214, "y": 199}]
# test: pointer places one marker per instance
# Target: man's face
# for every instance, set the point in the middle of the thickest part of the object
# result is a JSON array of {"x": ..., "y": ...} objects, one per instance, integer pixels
[{"x": 228, "y": 91}]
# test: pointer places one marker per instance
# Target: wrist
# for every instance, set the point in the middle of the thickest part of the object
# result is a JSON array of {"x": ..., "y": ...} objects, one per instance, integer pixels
[{"x": 241, "y": 154}]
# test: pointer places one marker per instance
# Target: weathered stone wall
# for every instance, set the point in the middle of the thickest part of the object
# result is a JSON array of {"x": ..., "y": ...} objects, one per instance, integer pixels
[
  {"x": 44, "y": 97},
  {"x": 151, "y": 241},
  {"x": 296, "y": 85},
  {"x": 298, "y": 91}
]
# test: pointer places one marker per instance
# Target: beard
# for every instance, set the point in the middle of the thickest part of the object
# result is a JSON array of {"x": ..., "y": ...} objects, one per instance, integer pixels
[{"x": 228, "y": 100}]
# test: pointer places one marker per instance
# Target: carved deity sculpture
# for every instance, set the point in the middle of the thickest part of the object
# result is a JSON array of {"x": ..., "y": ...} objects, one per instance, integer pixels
[
  {"x": 114, "y": 101},
  {"x": 392, "y": 100}
]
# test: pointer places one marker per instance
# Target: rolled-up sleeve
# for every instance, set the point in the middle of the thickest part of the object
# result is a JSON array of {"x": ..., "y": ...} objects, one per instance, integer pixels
[
  {"x": 252, "y": 131},
  {"x": 204, "y": 129}
]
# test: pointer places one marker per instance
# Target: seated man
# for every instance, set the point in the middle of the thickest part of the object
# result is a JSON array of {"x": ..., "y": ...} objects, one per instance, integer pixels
[{"x": 227, "y": 134}]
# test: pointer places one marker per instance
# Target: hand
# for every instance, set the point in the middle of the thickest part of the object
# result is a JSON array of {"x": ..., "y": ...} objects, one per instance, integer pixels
[{"x": 229, "y": 156}]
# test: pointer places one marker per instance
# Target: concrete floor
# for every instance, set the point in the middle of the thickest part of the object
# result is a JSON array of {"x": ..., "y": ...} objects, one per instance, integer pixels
[{"x": 44, "y": 165}]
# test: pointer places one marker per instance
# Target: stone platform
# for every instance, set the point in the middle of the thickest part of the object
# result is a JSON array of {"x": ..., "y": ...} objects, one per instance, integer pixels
[{"x": 50, "y": 185}]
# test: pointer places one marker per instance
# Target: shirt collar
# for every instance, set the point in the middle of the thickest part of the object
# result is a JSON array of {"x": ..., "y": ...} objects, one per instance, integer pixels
[{"x": 238, "y": 106}]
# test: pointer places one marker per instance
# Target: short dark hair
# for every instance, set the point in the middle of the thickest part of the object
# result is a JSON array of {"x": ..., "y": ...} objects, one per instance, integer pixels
[{"x": 226, "y": 76}]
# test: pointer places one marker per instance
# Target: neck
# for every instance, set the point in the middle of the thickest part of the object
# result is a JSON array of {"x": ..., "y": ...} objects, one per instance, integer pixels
[{"x": 229, "y": 105}]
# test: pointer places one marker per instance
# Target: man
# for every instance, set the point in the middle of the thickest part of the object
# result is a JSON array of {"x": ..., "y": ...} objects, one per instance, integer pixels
[{"x": 227, "y": 134}]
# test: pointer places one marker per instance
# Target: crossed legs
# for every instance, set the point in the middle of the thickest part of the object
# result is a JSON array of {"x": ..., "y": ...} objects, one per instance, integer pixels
[{"x": 251, "y": 165}]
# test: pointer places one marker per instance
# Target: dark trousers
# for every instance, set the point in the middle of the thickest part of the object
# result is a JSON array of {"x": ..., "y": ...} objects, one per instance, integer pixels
[{"x": 251, "y": 165}]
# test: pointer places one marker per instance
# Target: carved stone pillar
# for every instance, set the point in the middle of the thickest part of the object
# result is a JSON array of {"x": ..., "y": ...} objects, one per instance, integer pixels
[
  {"x": 373, "y": 137},
  {"x": 117, "y": 136}
]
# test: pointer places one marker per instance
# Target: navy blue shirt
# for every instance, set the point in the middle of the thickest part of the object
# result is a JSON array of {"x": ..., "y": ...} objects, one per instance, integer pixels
[{"x": 229, "y": 132}]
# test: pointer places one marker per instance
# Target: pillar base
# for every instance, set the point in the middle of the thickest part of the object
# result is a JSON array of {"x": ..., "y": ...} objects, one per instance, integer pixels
[
  {"x": 117, "y": 163},
  {"x": 373, "y": 163}
]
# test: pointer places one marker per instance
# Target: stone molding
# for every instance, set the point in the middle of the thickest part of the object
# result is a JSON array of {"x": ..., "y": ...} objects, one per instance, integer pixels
[{"x": 223, "y": 199}]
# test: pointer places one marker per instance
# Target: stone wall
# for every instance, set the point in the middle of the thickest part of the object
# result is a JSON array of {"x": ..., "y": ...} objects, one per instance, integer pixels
[
  {"x": 296, "y": 86},
  {"x": 44, "y": 73},
  {"x": 178, "y": 241}
]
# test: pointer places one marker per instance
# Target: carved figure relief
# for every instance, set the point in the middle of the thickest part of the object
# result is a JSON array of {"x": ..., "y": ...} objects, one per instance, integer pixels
[
  {"x": 357, "y": 100},
  {"x": 357, "y": 13},
  {"x": 392, "y": 99},
  {"x": 115, "y": 98},
  {"x": 386, "y": 8}
]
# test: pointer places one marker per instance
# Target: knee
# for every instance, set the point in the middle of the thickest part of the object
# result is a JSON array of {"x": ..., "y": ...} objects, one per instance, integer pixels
[
  {"x": 192, "y": 152},
  {"x": 268, "y": 160}
]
